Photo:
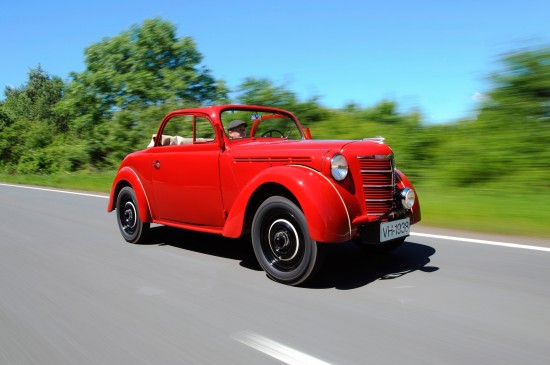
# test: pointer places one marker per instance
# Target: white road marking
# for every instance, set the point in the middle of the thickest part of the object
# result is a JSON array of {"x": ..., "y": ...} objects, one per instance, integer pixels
[
  {"x": 55, "y": 190},
  {"x": 449, "y": 238},
  {"x": 483, "y": 242},
  {"x": 277, "y": 350}
]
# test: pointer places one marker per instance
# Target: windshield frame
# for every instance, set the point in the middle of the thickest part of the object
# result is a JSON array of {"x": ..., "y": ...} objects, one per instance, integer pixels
[{"x": 254, "y": 117}]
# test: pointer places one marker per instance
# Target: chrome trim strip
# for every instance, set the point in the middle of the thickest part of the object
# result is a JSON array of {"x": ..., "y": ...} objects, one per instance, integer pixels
[
  {"x": 375, "y": 171},
  {"x": 376, "y": 157},
  {"x": 142, "y": 189},
  {"x": 289, "y": 159}
]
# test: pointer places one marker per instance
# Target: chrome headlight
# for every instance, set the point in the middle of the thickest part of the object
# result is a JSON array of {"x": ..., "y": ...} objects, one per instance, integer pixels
[
  {"x": 407, "y": 197},
  {"x": 339, "y": 167}
]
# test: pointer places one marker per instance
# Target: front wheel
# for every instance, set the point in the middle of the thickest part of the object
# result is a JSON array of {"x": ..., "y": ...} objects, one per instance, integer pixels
[
  {"x": 133, "y": 229},
  {"x": 281, "y": 242}
]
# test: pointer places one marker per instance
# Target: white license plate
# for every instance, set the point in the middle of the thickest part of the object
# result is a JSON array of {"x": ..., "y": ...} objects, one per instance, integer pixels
[{"x": 394, "y": 229}]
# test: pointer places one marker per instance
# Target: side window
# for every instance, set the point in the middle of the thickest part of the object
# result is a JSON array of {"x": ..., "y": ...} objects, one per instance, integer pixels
[
  {"x": 204, "y": 132},
  {"x": 187, "y": 129}
]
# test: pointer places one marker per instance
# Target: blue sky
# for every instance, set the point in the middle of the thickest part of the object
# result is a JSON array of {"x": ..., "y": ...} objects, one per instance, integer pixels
[{"x": 433, "y": 56}]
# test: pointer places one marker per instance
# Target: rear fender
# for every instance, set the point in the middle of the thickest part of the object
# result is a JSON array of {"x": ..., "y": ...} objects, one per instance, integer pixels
[
  {"x": 326, "y": 214},
  {"x": 128, "y": 177}
]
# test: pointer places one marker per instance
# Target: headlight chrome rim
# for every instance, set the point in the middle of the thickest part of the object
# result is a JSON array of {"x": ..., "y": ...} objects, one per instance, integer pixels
[
  {"x": 339, "y": 167},
  {"x": 408, "y": 198}
]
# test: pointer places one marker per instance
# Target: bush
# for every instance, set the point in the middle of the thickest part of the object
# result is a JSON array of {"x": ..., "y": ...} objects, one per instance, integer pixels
[{"x": 35, "y": 162}]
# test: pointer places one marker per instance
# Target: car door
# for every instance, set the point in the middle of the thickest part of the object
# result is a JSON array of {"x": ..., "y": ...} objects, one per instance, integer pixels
[{"x": 186, "y": 180}]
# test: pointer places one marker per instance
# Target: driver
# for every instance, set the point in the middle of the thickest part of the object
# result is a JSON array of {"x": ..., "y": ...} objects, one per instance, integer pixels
[{"x": 237, "y": 129}]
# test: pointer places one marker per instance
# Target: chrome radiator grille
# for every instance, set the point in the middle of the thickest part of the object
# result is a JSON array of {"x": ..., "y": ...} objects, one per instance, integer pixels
[{"x": 377, "y": 178}]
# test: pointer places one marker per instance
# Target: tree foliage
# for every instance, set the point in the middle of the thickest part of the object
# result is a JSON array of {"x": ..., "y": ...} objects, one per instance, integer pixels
[
  {"x": 506, "y": 146},
  {"x": 143, "y": 68},
  {"x": 35, "y": 100},
  {"x": 133, "y": 79},
  {"x": 29, "y": 122},
  {"x": 522, "y": 87},
  {"x": 509, "y": 140},
  {"x": 262, "y": 91}
]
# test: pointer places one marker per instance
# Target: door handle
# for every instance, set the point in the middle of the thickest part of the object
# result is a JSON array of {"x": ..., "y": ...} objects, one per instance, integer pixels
[{"x": 156, "y": 164}]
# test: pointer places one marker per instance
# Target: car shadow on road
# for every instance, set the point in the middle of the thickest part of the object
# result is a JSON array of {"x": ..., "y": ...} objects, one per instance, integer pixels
[
  {"x": 208, "y": 244},
  {"x": 345, "y": 265}
]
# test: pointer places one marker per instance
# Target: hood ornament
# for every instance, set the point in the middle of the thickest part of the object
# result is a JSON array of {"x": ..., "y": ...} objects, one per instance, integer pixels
[{"x": 377, "y": 139}]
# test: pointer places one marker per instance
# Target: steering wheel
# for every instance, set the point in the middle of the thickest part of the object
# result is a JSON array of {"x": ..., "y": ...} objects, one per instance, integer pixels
[{"x": 270, "y": 133}]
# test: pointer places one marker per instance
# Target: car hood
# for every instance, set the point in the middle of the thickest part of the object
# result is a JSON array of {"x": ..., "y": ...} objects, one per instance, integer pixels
[{"x": 308, "y": 152}]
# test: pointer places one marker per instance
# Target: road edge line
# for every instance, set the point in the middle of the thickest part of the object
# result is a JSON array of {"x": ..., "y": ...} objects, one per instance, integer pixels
[
  {"x": 54, "y": 190},
  {"x": 483, "y": 242},
  {"x": 426, "y": 235}
]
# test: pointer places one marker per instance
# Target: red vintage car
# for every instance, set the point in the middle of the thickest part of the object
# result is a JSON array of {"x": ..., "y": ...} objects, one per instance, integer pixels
[{"x": 240, "y": 170}]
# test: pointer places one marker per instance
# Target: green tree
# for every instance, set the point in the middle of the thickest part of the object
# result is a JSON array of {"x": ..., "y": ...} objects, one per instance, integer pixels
[
  {"x": 147, "y": 66},
  {"x": 29, "y": 123},
  {"x": 384, "y": 112},
  {"x": 506, "y": 146},
  {"x": 264, "y": 92},
  {"x": 522, "y": 86},
  {"x": 36, "y": 99},
  {"x": 514, "y": 121}
]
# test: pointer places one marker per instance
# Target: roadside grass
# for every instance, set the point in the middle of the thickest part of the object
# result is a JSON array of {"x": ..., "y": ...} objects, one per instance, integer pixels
[
  {"x": 485, "y": 210},
  {"x": 81, "y": 180},
  {"x": 480, "y": 210}
]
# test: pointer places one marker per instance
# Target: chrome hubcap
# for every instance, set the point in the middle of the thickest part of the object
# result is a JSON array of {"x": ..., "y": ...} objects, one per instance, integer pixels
[
  {"x": 129, "y": 216},
  {"x": 283, "y": 240}
]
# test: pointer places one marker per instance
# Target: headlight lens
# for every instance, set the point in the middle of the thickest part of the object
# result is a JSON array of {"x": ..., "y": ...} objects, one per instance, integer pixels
[
  {"x": 408, "y": 197},
  {"x": 339, "y": 167}
]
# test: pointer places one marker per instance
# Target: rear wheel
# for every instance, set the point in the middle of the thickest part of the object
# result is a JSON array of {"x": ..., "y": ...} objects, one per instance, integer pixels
[
  {"x": 281, "y": 242},
  {"x": 133, "y": 229}
]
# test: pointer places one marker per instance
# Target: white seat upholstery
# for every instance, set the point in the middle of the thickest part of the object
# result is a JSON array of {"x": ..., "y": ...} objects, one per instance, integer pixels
[{"x": 168, "y": 140}]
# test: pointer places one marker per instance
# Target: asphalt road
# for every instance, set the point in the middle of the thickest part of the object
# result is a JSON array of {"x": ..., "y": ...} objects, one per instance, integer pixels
[{"x": 73, "y": 292}]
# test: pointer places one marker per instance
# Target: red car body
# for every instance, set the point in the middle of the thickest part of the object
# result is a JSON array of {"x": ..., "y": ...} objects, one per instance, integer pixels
[{"x": 208, "y": 182}]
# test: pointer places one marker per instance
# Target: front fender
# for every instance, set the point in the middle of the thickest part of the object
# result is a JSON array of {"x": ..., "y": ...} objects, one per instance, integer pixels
[
  {"x": 326, "y": 214},
  {"x": 128, "y": 177},
  {"x": 403, "y": 182}
]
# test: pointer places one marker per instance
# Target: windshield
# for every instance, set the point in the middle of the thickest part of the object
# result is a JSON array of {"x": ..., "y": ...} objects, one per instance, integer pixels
[{"x": 259, "y": 124}]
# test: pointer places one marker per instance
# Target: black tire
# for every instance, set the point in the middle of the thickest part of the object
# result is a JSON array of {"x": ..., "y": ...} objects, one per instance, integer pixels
[
  {"x": 381, "y": 248},
  {"x": 281, "y": 242},
  {"x": 133, "y": 229}
]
